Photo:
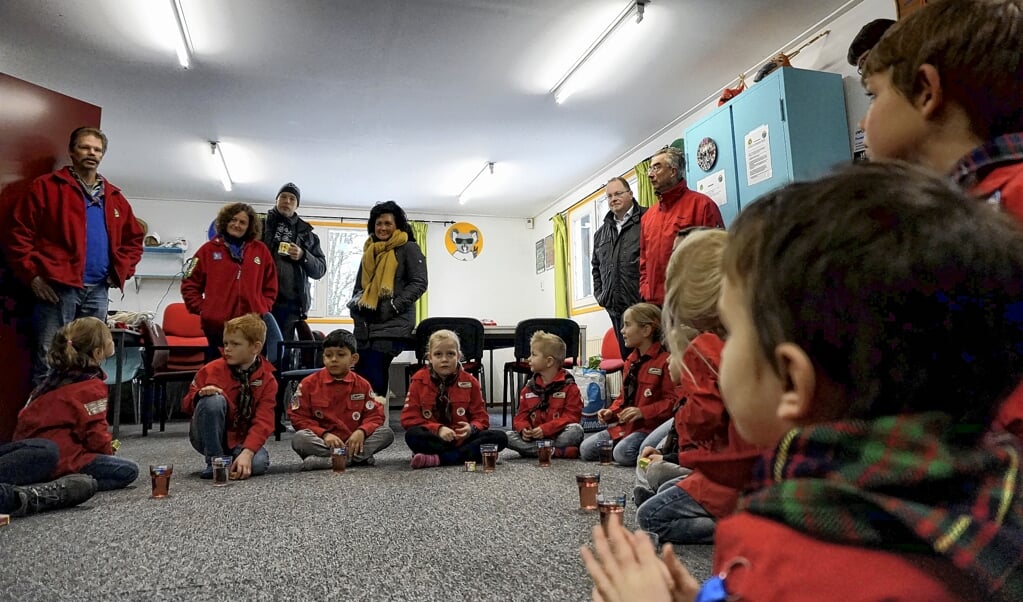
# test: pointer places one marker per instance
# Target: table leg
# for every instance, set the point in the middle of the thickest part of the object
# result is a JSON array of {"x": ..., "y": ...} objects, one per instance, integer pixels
[{"x": 119, "y": 366}]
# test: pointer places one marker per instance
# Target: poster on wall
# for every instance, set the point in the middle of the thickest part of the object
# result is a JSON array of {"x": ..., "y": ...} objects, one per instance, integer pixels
[
  {"x": 463, "y": 241},
  {"x": 758, "y": 156},
  {"x": 540, "y": 257},
  {"x": 714, "y": 186},
  {"x": 548, "y": 252}
]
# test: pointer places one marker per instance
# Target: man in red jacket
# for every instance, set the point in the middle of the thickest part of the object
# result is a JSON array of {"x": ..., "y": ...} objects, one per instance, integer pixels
[
  {"x": 678, "y": 208},
  {"x": 73, "y": 237}
]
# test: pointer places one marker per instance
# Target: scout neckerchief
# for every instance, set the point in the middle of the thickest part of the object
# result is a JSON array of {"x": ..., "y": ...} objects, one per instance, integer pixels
[
  {"x": 544, "y": 392},
  {"x": 243, "y": 413},
  {"x": 443, "y": 405},
  {"x": 56, "y": 379},
  {"x": 235, "y": 246},
  {"x": 379, "y": 266},
  {"x": 631, "y": 382},
  {"x": 897, "y": 483}
]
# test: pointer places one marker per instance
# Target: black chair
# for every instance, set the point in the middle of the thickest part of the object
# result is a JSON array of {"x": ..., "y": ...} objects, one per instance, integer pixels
[
  {"x": 158, "y": 372},
  {"x": 567, "y": 329},
  {"x": 470, "y": 335},
  {"x": 290, "y": 365}
]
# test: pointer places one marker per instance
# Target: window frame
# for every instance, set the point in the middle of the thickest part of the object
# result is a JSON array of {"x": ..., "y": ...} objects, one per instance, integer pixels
[{"x": 318, "y": 313}]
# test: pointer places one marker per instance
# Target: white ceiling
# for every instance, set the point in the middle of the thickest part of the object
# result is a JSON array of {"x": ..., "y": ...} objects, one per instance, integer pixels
[{"x": 362, "y": 101}]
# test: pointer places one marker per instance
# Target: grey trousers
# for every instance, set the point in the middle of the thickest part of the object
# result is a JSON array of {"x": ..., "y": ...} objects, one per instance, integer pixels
[
  {"x": 571, "y": 436},
  {"x": 305, "y": 444}
]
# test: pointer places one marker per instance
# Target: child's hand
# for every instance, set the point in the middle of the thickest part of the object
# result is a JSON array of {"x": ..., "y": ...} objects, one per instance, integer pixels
[
  {"x": 631, "y": 571},
  {"x": 332, "y": 441},
  {"x": 464, "y": 430},
  {"x": 446, "y": 434},
  {"x": 210, "y": 390},
  {"x": 525, "y": 434},
  {"x": 605, "y": 415},
  {"x": 534, "y": 433},
  {"x": 241, "y": 468},
  {"x": 648, "y": 451},
  {"x": 629, "y": 415},
  {"x": 354, "y": 443},
  {"x": 683, "y": 585}
]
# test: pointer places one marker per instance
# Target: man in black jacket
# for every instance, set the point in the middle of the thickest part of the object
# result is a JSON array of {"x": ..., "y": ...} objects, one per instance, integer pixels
[
  {"x": 616, "y": 256},
  {"x": 299, "y": 258}
]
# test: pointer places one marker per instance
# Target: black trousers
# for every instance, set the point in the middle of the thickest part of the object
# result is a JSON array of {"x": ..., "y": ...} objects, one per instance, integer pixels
[{"x": 422, "y": 441}]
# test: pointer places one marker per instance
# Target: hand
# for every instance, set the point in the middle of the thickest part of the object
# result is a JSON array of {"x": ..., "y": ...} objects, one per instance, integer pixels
[
  {"x": 295, "y": 252},
  {"x": 534, "y": 433},
  {"x": 630, "y": 415},
  {"x": 464, "y": 430},
  {"x": 605, "y": 415},
  {"x": 354, "y": 443},
  {"x": 648, "y": 451},
  {"x": 682, "y": 584},
  {"x": 631, "y": 572},
  {"x": 655, "y": 458},
  {"x": 525, "y": 434},
  {"x": 210, "y": 390},
  {"x": 446, "y": 434},
  {"x": 241, "y": 468},
  {"x": 332, "y": 441},
  {"x": 43, "y": 290}
]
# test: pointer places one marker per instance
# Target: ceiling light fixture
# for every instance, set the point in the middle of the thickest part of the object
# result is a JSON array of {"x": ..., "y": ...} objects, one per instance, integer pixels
[
  {"x": 225, "y": 176},
  {"x": 462, "y": 196},
  {"x": 561, "y": 90},
  {"x": 184, "y": 41}
]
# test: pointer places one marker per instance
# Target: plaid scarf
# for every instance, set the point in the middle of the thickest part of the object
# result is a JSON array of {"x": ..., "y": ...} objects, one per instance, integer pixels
[
  {"x": 243, "y": 415},
  {"x": 443, "y": 405},
  {"x": 379, "y": 266},
  {"x": 55, "y": 380},
  {"x": 631, "y": 382},
  {"x": 1005, "y": 149},
  {"x": 544, "y": 392},
  {"x": 897, "y": 483}
]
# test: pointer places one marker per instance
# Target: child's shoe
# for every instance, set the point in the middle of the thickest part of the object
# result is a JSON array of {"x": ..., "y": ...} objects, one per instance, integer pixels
[
  {"x": 65, "y": 492},
  {"x": 425, "y": 460},
  {"x": 316, "y": 463},
  {"x": 571, "y": 452},
  {"x": 207, "y": 473}
]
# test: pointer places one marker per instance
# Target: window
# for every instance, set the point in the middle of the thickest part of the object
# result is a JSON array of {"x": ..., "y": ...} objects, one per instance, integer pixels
[{"x": 342, "y": 245}]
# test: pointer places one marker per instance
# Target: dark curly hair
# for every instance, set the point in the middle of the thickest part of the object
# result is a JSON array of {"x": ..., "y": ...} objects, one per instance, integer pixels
[
  {"x": 255, "y": 231},
  {"x": 400, "y": 220}
]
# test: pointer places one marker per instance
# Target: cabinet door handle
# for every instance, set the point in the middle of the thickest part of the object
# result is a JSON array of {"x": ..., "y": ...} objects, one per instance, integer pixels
[{"x": 781, "y": 105}]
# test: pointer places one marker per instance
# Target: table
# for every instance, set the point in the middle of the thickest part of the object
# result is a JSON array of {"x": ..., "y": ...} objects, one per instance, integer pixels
[{"x": 121, "y": 340}]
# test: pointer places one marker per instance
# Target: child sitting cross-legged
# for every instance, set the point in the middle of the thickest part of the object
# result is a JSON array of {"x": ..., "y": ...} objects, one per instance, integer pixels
[
  {"x": 336, "y": 407},
  {"x": 550, "y": 405}
]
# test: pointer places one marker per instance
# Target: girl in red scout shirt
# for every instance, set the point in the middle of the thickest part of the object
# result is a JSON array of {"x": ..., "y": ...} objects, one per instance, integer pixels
[
  {"x": 444, "y": 418},
  {"x": 685, "y": 510},
  {"x": 648, "y": 394},
  {"x": 70, "y": 406},
  {"x": 232, "y": 402},
  {"x": 874, "y": 328},
  {"x": 550, "y": 406},
  {"x": 336, "y": 407}
]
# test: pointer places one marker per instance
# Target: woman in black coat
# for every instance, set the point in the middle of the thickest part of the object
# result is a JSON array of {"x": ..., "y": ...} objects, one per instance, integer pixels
[{"x": 390, "y": 281}]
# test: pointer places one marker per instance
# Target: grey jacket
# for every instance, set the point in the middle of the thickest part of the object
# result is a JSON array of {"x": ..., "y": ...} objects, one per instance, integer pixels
[
  {"x": 394, "y": 318},
  {"x": 615, "y": 262}
]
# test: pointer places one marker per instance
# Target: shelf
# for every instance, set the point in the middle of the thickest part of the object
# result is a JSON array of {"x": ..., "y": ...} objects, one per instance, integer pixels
[{"x": 170, "y": 250}]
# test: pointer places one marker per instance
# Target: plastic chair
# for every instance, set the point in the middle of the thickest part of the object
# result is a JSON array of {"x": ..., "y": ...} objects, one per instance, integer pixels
[
  {"x": 470, "y": 335},
  {"x": 131, "y": 367},
  {"x": 567, "y": 329},
  {"x": 157, "y": 372},
  {"x": 611, "y": 361},
  {"x": 183, "y": 329}
]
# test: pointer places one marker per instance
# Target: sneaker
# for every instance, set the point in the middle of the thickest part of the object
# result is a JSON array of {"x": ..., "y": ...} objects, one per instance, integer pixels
[
  {"x": 316, "y": 463},
  {"x": 641, "y": 494},
  {"x": 571, "y": 452},
  {"x": 370, "y": 461},
  {"x": 207, "y": 473},
  {"x": 65, "y": 492},
  {"x": 425, "y": 460}
]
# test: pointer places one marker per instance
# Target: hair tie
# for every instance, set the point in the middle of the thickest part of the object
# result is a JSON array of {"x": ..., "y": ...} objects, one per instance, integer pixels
[{"x": 70, "y": 343}]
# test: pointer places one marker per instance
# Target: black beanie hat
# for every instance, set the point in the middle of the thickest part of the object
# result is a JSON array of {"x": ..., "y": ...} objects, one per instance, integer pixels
[
  {"x": 290, "y": 187},
  {"x": 867, "y": 38}
]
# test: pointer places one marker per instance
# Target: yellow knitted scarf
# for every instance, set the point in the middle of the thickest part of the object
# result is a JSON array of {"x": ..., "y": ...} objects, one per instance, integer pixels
[{"x": 379, "y": 266}]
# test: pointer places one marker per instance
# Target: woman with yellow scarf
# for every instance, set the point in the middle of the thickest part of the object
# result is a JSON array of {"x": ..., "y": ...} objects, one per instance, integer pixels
[{"x": 392, "y": 278}]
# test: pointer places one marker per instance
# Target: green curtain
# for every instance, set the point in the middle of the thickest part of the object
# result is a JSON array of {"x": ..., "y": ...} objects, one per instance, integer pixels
[
  {"x": 423, "y": 304},
  {"x": 561, "y": 304},
  {"x": 644, "y": 189}
]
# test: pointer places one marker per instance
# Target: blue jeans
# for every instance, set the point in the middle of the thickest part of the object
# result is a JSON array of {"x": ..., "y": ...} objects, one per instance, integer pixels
[
  {"x": 653, "y": 440},
  {"x": 676, "y": 517},
  {"x": 48, "y": 318},
  {"x": 23, "y": 463},
  {"x": 111, "y": 472},
  {"x": 626, "y": 450},
  {"x": 208, "y": 433}
]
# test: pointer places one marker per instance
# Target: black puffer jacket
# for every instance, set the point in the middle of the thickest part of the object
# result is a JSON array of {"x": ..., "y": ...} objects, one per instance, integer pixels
[
  {"x": 394, "y": 318},
  {"x": 616, "y": 262},
  {"x": 293, "y": 276}
]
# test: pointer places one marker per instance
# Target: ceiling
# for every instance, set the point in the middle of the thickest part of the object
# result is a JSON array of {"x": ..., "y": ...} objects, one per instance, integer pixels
[{"x": 363, "y": 101}]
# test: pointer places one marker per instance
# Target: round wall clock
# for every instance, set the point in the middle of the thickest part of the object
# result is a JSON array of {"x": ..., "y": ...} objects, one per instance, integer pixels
[{"x": 707, "y": 154}]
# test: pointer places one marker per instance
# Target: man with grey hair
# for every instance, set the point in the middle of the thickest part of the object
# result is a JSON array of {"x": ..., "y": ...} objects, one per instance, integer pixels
[
  {"x": 615, "y": 261},
  {"x": 678, "y": 207}
]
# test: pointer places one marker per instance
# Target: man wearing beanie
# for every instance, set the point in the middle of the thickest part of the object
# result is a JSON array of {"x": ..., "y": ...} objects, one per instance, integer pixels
[{"x": 299, "y": 258}]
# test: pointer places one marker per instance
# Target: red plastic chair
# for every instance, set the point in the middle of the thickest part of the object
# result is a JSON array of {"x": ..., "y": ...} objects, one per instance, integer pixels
[
  {"x": 610, "y": 353},
  {"x": 183, "y": 329}
]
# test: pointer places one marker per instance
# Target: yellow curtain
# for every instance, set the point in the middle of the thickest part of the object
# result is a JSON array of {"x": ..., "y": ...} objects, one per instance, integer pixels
[
  {"x": 423, "y": 304},
  {"x": 644, "y": 189},
  {"x": 561, "y": 304}
]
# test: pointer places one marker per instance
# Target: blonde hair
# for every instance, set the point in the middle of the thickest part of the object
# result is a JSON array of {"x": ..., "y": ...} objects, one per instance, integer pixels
[
  {"x": 551, "y": 345},
  {"x": 693, "y": 285},
  {"x": 444, "y": 335},
  {"x": 251, "y": 326},
  {"x": 647, "y": 314},
  {"x": 74, "y": 344}
]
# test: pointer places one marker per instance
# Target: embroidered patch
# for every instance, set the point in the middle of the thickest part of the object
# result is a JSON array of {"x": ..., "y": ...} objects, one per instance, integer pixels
[
  {"x": 356, "y": 416},
  {"x": 648, "y": 393},
  {"x": 256, "y": 260},
  {"x": 217, "y": 255},
  {"x": 427, "y": 414},
  {"x": 529, "y": 395},
  {"x": 257, "y": 383},
  {"x": 117, "y": 214},
  {"x": 558, "y": 395},
  {"x": 464, "y": 385},
  {"x": 656, "y": 371},
  {"x": 96, "y": 407},
  {"x": 190, "y": 266},
  {"x": 370, "y": 405},
  {"x": 460, "y": 411},
  {"x": 358, "y": 396}
]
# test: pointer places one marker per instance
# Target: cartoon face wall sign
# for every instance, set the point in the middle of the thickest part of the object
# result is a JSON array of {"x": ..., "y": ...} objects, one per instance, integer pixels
[{"x": 464, "y": 241}]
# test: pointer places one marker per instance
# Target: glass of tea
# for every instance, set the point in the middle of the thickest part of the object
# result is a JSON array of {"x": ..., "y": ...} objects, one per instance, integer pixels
[{"x": 161, "y": 474}]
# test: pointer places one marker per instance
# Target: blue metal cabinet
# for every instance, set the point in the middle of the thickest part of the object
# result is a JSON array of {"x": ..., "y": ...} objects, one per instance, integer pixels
[{"x": 720, "y": 180}]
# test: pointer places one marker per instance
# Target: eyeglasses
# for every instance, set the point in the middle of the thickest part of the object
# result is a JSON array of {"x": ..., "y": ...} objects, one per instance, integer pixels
[
  {"x": 656, "y": 167},
  {"x": 619, "y": 194}
]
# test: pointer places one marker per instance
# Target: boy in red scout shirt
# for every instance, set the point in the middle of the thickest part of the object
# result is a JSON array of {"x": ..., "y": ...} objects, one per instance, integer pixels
[
  {"x": 550, "y": 406},
  {"x": 336, "y": 407},
  {"x": 232, "y": 401}
]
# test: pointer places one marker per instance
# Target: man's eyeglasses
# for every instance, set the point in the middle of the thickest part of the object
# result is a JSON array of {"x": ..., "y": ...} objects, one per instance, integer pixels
[{"x": 657, "y": 167}]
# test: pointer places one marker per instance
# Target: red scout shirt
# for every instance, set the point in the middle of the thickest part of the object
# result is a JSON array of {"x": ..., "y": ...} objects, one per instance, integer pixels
[
  {"x": 464, "y": 394},
  {"x": 75, "y": 418},
  {"x": 655, "y": 393},
  {"x": 340, "y": 406},
  {"x": 264, "y": 394},
  {"x": 565, "y": 406}
]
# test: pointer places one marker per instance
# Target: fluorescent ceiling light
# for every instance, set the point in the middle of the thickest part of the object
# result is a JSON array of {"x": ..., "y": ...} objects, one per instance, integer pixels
[
  {"x": 464, "y": 196},
  {"x": 562, "y": 90},
  {"x": 183, "y": 41},
  {"x": 225, "y": 176}
]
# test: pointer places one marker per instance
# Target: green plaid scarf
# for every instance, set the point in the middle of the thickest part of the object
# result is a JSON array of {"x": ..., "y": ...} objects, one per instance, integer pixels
[{"x": 897, "y": 483}]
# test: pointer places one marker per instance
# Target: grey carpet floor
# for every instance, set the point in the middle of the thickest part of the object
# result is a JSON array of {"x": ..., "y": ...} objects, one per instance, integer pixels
[{"x": 378, "y": 533}]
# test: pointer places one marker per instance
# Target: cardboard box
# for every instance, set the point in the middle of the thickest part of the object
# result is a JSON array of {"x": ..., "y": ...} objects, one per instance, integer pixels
[{"x": 904, "y": 7}]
